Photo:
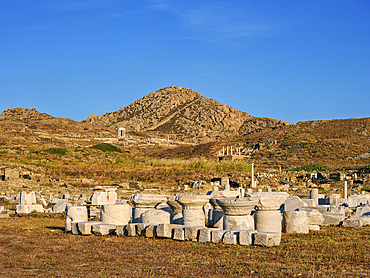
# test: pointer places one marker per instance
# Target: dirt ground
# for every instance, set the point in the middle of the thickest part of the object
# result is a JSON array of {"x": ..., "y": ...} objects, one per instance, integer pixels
[{"x": 38, "y": 246}]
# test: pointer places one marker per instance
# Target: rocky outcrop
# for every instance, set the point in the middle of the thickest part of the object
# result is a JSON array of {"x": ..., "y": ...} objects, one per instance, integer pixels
[
  {"x": 184, "y": 113},
  {"x": 20, "y": 114}
]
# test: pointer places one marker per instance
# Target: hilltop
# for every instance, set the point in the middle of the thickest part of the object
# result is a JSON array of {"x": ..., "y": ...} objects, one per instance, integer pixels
[{"x": 185, "y": 115}]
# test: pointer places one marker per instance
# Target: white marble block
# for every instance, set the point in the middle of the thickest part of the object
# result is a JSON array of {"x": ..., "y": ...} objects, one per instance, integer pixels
[
  {"x": 246, "y": 237},
  {"x": 267, "y": 239},
  {"x": 155, "y": 217},
  {"x": 115, "y": 214},
  {"x": 230, "y": 237},
  {"x": 103, "y": 229},
  {"x": 295, "y": 222},
  {"x": 75, "y": 214}
]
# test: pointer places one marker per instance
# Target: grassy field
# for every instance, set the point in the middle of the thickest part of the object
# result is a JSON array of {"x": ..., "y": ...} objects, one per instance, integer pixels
[{"x": 37, "y": 246}]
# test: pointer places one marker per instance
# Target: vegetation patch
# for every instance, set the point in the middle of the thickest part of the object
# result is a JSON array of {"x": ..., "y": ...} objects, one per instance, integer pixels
[
  {"x": 57, "y": 151},
  {"x": 105, "y": 147}
]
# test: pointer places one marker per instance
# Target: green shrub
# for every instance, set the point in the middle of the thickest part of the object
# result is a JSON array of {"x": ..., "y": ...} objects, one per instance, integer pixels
[
  {"x": 57, "y": 151},
  {"x": 107, "y": 148}
]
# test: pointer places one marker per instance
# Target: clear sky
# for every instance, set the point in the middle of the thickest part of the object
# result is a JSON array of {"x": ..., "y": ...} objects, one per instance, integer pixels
[{"x": 293, "y": 60}]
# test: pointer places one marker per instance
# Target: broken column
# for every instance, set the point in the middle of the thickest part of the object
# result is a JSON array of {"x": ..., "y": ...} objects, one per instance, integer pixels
[
  {"x": 215, "y": 218},
  {"x": 176, "y": 215},
  {"x": 192, "y": 209},
  {"x": 27, "y": 203},
  {"x": 238, "y": 212},
  {"x": 115, "y": 214},
  {"x": 268, "y": 217},
  {"x": 314, "y": 195},
  {"x": 143, "y": 203},
  {"x": 75, "y": 214},
  {"x": 295, "y": 222},
  {"x": 103, "y": 196}
]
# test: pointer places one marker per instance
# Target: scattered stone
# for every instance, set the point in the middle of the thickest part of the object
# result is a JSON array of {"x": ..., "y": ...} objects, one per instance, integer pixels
[{"x": 267, "y": 239}]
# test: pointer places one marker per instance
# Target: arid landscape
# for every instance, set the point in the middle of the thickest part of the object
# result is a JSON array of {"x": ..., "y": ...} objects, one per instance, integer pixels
[{"x": 173, "y": 139}]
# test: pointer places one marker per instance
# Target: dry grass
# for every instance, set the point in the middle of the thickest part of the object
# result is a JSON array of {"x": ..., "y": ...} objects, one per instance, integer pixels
[{"x": 31, "y": 246}]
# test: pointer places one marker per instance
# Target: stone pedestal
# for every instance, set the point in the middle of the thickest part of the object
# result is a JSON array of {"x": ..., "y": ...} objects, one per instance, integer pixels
[
  {"x": 295, "y": 222},
  {"x": 27, "y": 198},
  {"x": 215, "y": 218},
  {"x": 155, "y": 217},
  {"x": 106, "y": 197},
  {"x": 143, "y": 203},
  {"x": 75, "y": 214},
  {"x": 237, "y": 212},
  {"x": 192, "y": 209},
  {"x": 268, "y": 217},
  {"x": 176, "y": 215},
  {"x": 115, "y": 214}
]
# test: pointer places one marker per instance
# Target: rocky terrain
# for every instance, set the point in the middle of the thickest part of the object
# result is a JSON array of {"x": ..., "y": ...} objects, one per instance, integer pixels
[{"x": 184, "y": 114}]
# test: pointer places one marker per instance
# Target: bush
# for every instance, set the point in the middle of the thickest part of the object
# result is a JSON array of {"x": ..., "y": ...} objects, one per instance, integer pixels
[
  {"x": 57, "y": 151},
  {"x": 107, "y": 148}
]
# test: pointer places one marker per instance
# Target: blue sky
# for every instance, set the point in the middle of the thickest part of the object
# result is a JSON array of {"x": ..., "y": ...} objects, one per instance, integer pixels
[{"x": 292, "y": 60}]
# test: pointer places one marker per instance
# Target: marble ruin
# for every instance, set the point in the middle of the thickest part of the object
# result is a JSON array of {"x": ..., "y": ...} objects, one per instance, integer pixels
[{"x": 242, "y": 215}]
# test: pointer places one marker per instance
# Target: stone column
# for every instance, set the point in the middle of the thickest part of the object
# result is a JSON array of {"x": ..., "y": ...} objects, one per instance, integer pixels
[
  {"x": 314, "y": 195},
  {"x": 192, "y": 209},
  {"x": 345, "y": 190},
  {"x": 115, "y": 214},
  {"x": 75, "y": 214},
  {"x": 252, "y": 177},
  {"x": 143, "y": 203},
  {"x": 268, "y": 217},
  {"x": 237, "y": 212},
  {"x": 176, "y": 215}
]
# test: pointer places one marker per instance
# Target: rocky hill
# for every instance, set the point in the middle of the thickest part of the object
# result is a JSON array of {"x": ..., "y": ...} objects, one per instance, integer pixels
[
  {"x": 22, "y": 126},
  {"x": 185, "y": 114},
  {"x": 336, "y": 143}
]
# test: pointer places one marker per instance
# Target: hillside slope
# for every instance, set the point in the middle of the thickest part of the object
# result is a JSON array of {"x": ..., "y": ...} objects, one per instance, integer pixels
[
  {"x": 335, "y": 143},
  {"x": 185, "y": 114}
]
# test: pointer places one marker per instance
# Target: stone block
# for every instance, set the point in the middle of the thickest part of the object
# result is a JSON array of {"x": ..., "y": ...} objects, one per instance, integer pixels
[
  {"x": 205, "y": 235},
  {"x": 192, "y": 233},
  {"x": 314, "y": 227},
  {"x": 351, "y": 223},
  {"x": 103, "y": 229},
  {"x": 246, "y": 237},
  {"x": 164, "y": 230},
  {"x": 140, "y": 229},
  {"x": 230, "y": 237},
  {"x": 29, "y": 208},
  {"x": 27, "y": 198},
  {"x": 84, "y": 228},
  {"x": 294, "y": 203},
  {"x": 295, "y": 222},
  {"x": 217, "y": 235},
  {"x": 267, "y": 239},
  {"x": 155, "y": 217},
  {"x": 60, "y": 206},
  {"x": 150, "y": 231},
  {"x": 314, "y": 216},
  {"x": 130, "y": 229},
  {"x": 120, "y": 230},
  {"x": 179, "y": 233},
  {"x": 74, "y": 228},
  {"x": 333, "y": 218},
  {"x": 100, "y": 198}
]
